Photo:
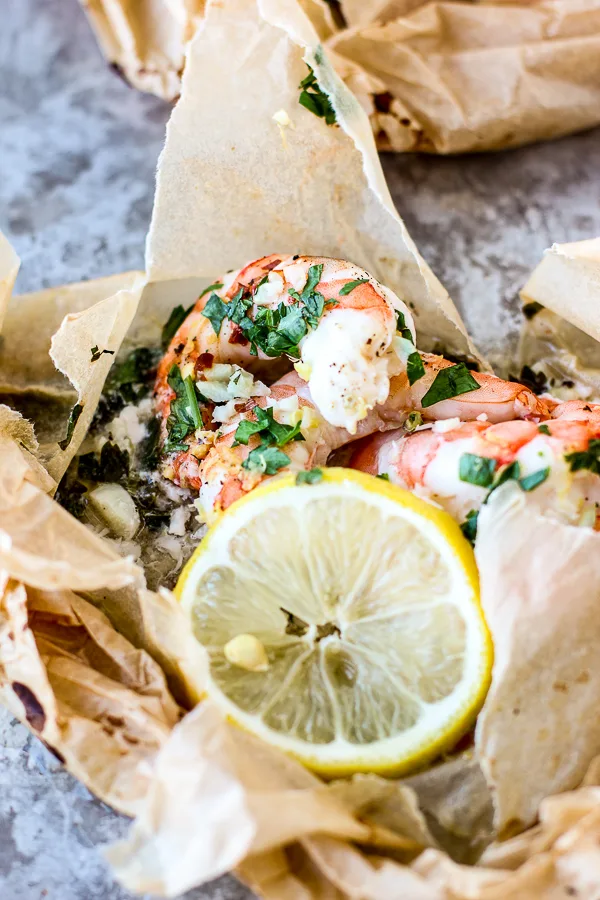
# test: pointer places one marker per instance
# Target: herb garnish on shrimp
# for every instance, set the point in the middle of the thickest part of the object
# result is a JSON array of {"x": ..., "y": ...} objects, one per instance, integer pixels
[{"x": 346, "y": 334}]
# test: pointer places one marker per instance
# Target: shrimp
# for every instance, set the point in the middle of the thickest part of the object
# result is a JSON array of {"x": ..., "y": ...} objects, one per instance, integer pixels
[
  {"x": 447, "y": 462},
  {"x": 498, "y": 400},
  {"x": 212, "y": 463},
  {"x": 224, "y": 476},
  {"x": 331, "y": 317}
]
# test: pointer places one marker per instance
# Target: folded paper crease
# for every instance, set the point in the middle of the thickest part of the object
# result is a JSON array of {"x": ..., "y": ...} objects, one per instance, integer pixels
[{"x": 106, "y": 672}]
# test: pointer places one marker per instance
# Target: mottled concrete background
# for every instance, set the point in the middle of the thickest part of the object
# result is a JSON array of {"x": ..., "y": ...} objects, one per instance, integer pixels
[{"x": 77, "y": 157}]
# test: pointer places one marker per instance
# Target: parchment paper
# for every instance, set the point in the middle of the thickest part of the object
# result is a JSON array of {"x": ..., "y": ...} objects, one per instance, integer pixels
[
  {"x": 320, "y": 188},
  {"x": 45, "y": 354},
  {"x": 455, "y": 77},
  {"x": 145, "y": 40},
  {"x": 439, "y": 77},
  {"x": 561, "y": 338},
  {"x": 540, "y": 590},
  {"x": 81, "y": 635}
]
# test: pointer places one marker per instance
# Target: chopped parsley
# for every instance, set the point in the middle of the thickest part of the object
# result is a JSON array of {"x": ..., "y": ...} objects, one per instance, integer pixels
[
  {"x": 348, "y": 288},
  {"x": 97, "y": 353},
  {"x": 413, "y": 420},
  {"x": 266, "y": 459},
  {"x": 478, "y": 470},
  {"x": 134, "y": 368},
  {"x": 384, "y": 476},
  {"x": 448, "y": 383},
  {"x": 543, "y": 429},
  {"x": 414, "y": 367},
  {"x": 215, "y": 311},
  {"x": 72, "y": 422},
  {"x": 469, "y": 526},
  {"x": 178, "y": 316},
  {"x": 312, "y": 476},
  {"x": 211, "y": 287},
  {"x": 585, "y": 459},
  {"x": 529, "y": 482},
  {"x": 512, "y": 472},
  {"x": 314, "y": 99},
  {"x": 402, "y": 328},
  {"x": 128, "y": 382},
  {"x": 184, "y": 416},
  {"x": 131, "y": 379},
  {"x": 149, "y": 446},
  {"x": 271, "y": 431},
  {"x": 273, "y": 331}
]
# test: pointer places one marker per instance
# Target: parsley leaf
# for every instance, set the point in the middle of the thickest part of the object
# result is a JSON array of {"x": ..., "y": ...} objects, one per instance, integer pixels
[
  {"x": 177, "y": 318},
  {"x": 132, "y": 377},
  {"x": 478, "y": 470},
  {"x": 413, "y": 420},
  {"x": 507, "y": 473},
  {"x": 312, "y": 476},
  {"x": 312, "y": 280},
  {"x": 384, "y": 476},
  {"x": 97, "y": 353},
  {"x": 265, "y": 459},
  {"x": 246, "y": 429},
  {"x": 73, "y": 419},
  {"x": 192, "y": 399},
  {"x": 314, "y": 99},
  {"x": 237, "y": 307},
  {"x": 271, "y": 431},
  {"x": 529, "y": 482},
  {"x": 184, "y": 416},
  {"x": 585, "y": 459},
  {"x": 450, "y": 382},
  {"x": 543, "y": 429},
  {"x": 211, "y": 287},
  {"x": 215, "y": 311},
  {"x": 414, "y": 367},
  {"x": 278, "y": 331},
  {"x": 149, "y": 452},
  {"x": 292, "y": 324},
  {"x": 348, "y": 288},
  {"x": 402, "y": 328},
  {"x": 469, "y": 526}
]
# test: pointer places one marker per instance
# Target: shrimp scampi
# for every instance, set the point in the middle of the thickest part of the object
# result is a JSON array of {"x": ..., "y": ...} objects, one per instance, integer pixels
[
  {"x": 456, "y": 464},
  {"x": 353, "y": 370},
  {"x": 329, "y": 318}
]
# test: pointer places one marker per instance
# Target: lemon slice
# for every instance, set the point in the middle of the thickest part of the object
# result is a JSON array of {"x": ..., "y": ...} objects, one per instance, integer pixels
[{"x": 342, "y": 622}]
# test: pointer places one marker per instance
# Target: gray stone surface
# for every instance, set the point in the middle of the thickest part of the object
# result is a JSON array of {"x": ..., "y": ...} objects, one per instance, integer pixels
[{"x": 77, "y": 156}]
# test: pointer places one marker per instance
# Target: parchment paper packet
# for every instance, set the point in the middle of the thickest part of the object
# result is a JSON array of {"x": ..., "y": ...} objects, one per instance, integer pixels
[
  {"x": 439, "y": 77},
  {"x": 229, "y": 184},
  {"x": 145, "y": 41},
  {"x": 187, "y": 207},
  {"x": 460, "y": 77},
  {"x": 561, "y": 330},
  {"x": 224, "y": 194}
]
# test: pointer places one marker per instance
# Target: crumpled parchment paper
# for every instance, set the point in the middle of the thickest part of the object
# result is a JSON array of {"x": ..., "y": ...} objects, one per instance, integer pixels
[
  {"x": 439, "y": 77},
  {"x": 560, "y": 335},
  {"x": 83, "y": 642}
]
